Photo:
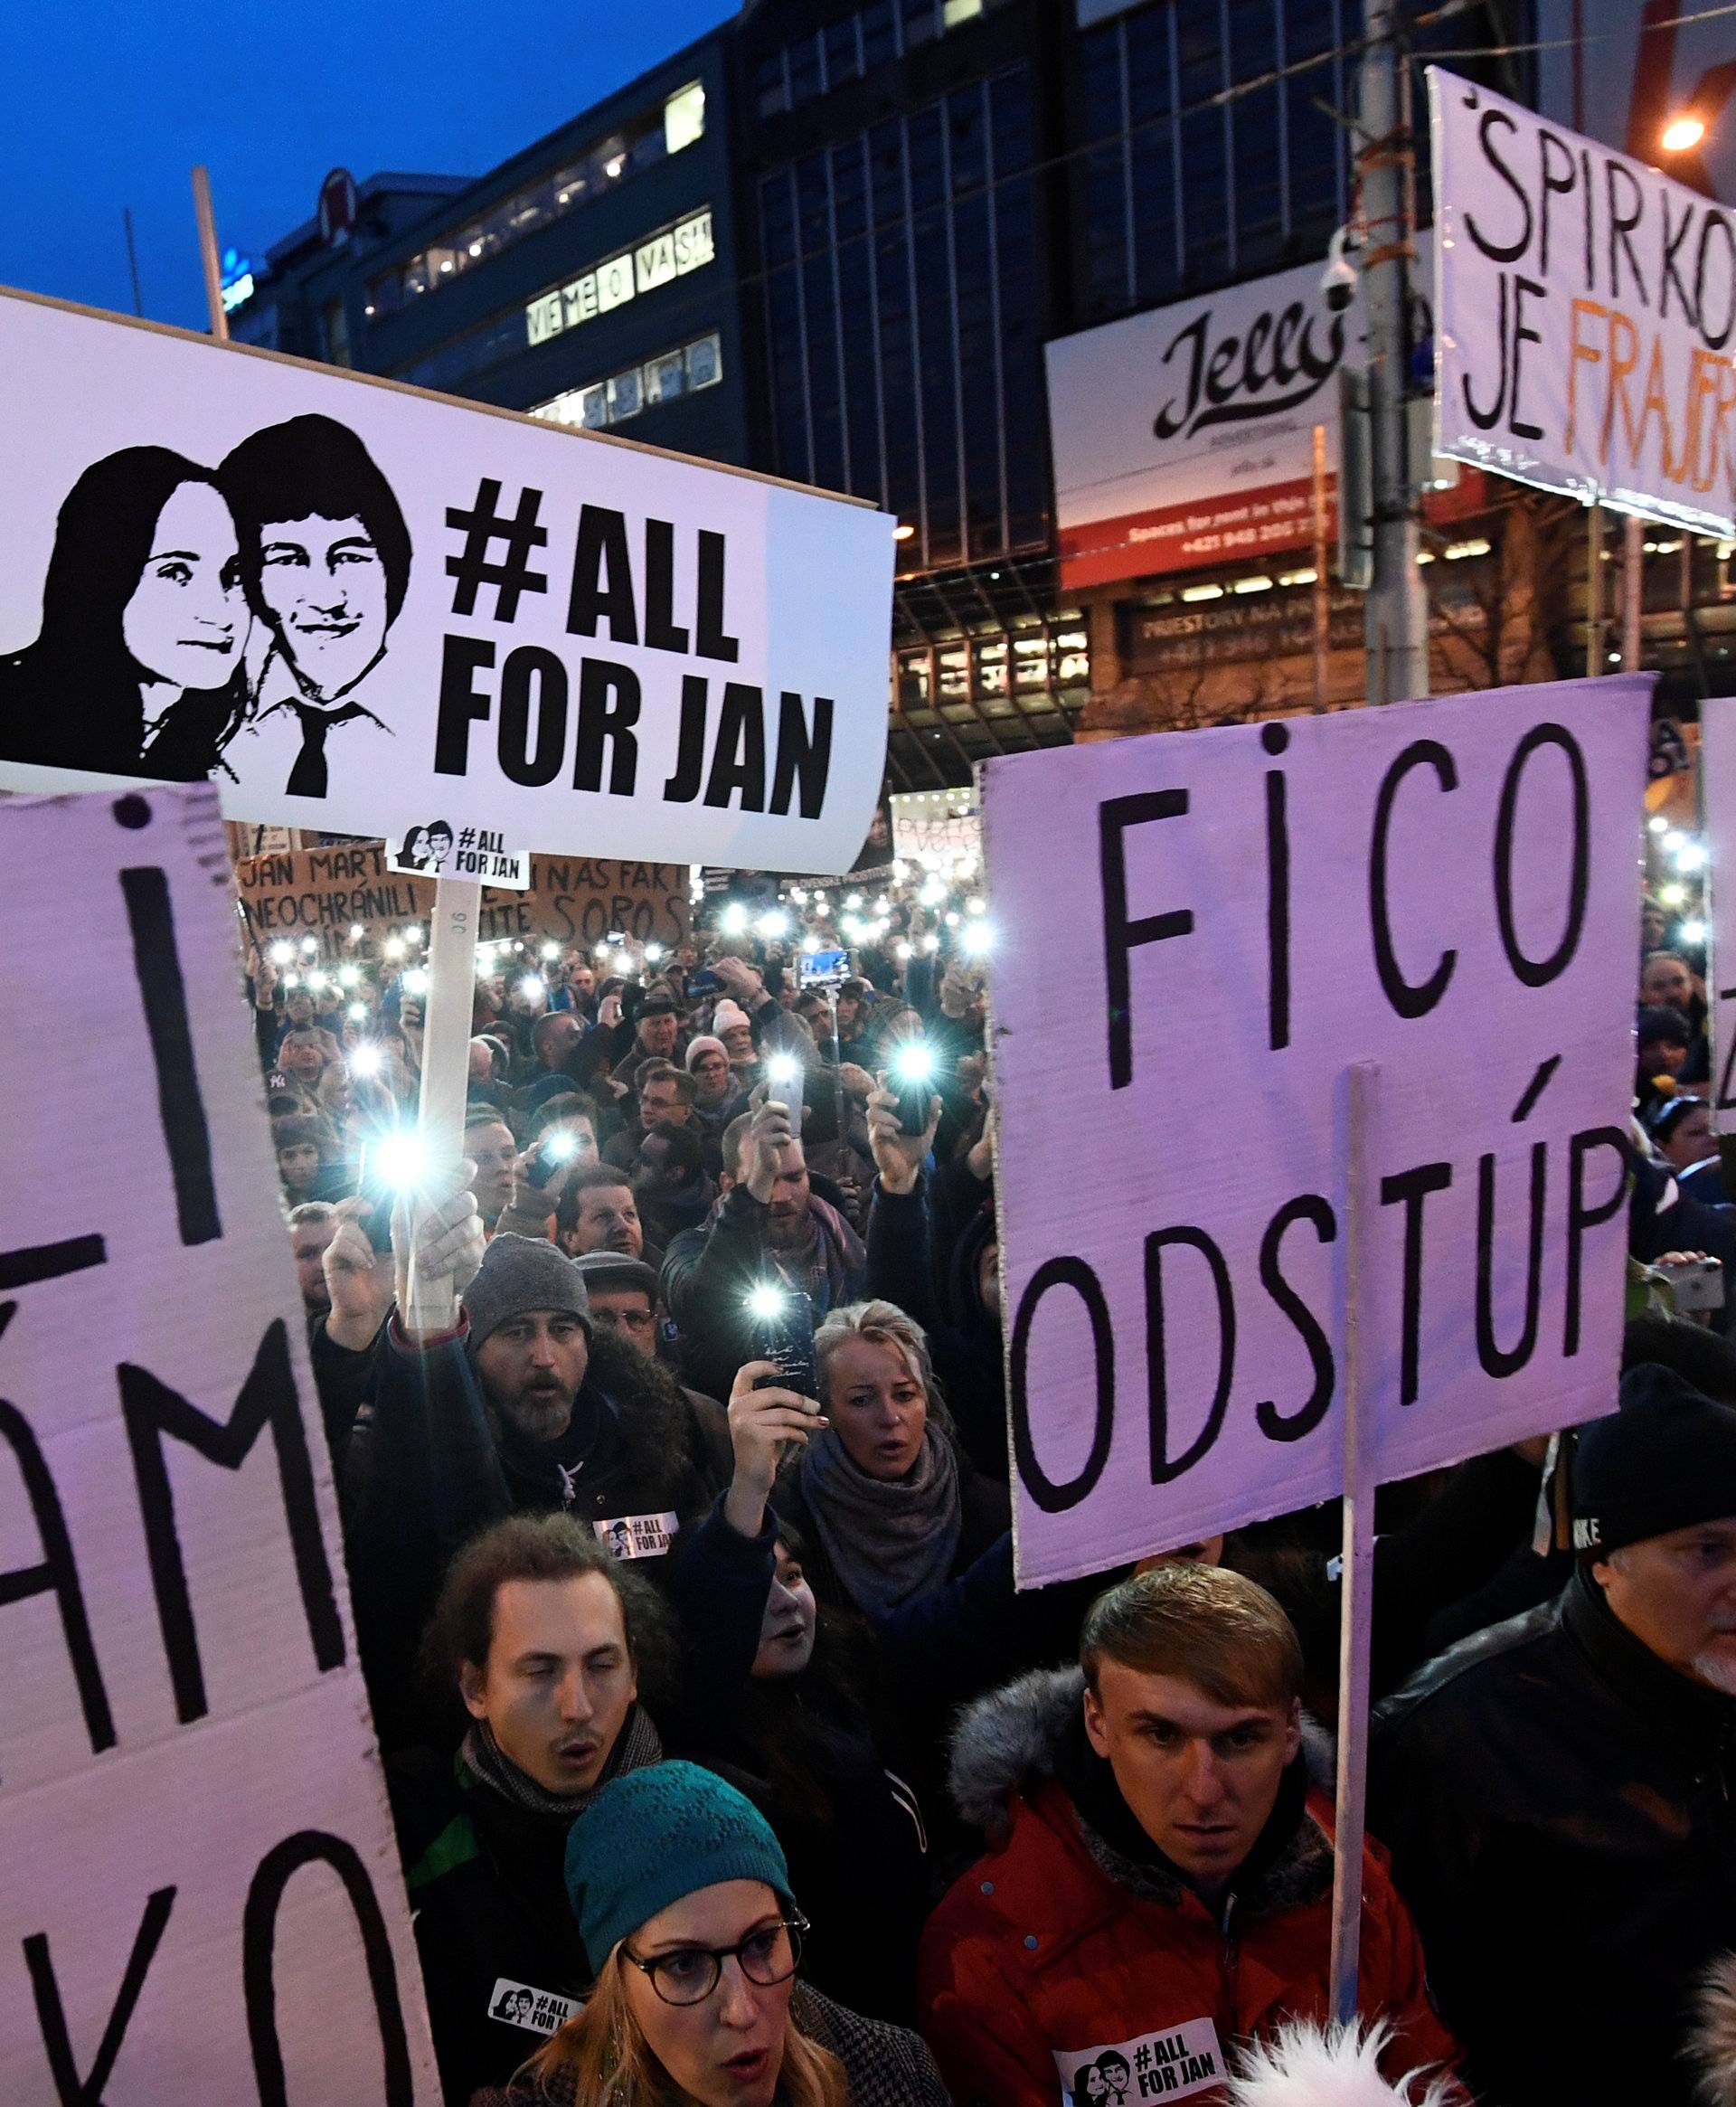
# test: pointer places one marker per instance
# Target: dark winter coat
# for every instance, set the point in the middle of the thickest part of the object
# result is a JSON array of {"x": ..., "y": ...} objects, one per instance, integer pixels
[
  {"x": 885, "y": 2065},
  {"x": 1558, "y": 1803},
  {"x": 488, "y": 1898},
  {"x": 803, "y": 1750},
  {"x": 708, "y": 1274},
  {"x": 428, "y": 1466},
  {"x": 1074, "y": 1938}
]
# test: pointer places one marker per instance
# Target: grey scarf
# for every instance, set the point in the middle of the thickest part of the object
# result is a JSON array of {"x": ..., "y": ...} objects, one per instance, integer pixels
[
  {"x": 893, "y": 1540},
  {"x": 635, "y": 1745}
]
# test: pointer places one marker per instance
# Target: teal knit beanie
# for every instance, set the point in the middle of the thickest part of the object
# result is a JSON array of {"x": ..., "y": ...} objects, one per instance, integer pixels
[{"x": 654, "y": 1834}]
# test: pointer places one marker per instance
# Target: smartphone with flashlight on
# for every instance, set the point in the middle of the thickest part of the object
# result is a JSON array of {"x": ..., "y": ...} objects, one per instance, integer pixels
[
  {"x": 912, "y": 1073},
  {"x": 558, "y": 1148},
  {"x": 783, "y": 1075},
  {"x": 783, "y": 1334},
  {"x": 371, "y": 1185}
]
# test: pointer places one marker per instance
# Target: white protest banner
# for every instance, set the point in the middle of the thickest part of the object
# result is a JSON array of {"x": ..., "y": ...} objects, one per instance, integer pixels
[
  {"x": 1445, "y": 889},
  {"x": 935, "y": 828},
  {"x": 1718, "y": 807},
  {"x": 1585, "y": 307},
  {"x": 202, "y": 1898},
  {"x": 440, "y": 850},
  {"x": 360, "y": 606}
]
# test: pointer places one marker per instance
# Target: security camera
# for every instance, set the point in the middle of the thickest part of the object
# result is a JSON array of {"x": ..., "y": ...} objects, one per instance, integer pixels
[{"x": 1338, "y": 280}]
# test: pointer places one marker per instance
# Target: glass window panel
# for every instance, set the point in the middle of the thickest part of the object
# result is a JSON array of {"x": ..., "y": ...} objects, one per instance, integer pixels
[
  {"x": 849, "y": 190},
  {"x": 804, "y": 70},
  {"x": 1009, "y": 113},
  {"x": 664, "y": 377},
  {"x": 593, "y": 407},
  {"x": 886, "y": 171},
  {"x": 879, "y": 37},
  {"x": 954, "y": 11},
  {"x": 683, "y": 118},
  {"x": 704, "y": 362},
  {"x": 919, "y": 22},
  {"x": 842, "y": 63},
  {"x": 772, "y": 86},
  {"x": 967, "y": 140},
  {"x": 626, "y": 395},
  {"x": 1150, "y": 89},
  {"x": 1099, "y": 81},
  {"x": 778, "y": 218},
  {"x": 813, "y": 211}
]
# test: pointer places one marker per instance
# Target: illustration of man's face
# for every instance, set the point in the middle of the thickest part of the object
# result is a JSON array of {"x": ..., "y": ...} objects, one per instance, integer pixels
[
  {"x": 187, "y": 620},
  {"x": 439, "y": 843},
  {"x": 325, "y": 586}
]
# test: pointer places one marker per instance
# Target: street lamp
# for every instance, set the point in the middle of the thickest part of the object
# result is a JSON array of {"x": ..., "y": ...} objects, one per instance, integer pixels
[{"x": 1683, "y": 133}]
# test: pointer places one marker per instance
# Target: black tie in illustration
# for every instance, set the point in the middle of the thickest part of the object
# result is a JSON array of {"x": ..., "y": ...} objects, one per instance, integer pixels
[{"x": 308, "y": 777}]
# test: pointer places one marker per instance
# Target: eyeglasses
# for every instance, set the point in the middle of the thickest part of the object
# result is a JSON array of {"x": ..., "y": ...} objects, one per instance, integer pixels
[{"x": 688, "y": 1975}]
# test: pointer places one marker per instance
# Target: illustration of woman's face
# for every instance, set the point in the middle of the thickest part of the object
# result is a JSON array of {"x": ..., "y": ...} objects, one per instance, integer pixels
[
  {"x": 187, "y": 620},
  {"x": 326, "y": 586}
]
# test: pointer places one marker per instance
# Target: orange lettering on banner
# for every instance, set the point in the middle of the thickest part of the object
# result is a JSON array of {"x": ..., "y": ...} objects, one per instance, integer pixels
[
  {"x": 1656, "y": 400},
  {"x": 1621, "y": 364},
  {"x": 1692, "y": 448},
  {"x": 1591, "y": 356}
]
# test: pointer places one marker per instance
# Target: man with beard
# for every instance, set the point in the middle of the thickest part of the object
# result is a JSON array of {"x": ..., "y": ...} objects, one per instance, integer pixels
[
  {"x": 1556, "y": 1792},
  {"x": 770, "y": 1226},
  {"x": 524, "y": 1409}
]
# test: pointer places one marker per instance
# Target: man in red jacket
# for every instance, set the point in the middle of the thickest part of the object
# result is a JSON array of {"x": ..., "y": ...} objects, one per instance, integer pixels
[{"x": 1161, "y": 1888}]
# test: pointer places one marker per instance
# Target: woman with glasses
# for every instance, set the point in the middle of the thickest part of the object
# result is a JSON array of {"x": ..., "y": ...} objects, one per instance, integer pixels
[{"x": 683, "y": 1899}]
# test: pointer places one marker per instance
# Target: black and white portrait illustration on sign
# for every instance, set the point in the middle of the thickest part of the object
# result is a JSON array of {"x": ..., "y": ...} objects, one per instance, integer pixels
[
  {"x": 139, "y": 667},
  {"x": 198, "y": 621},
  {"x": 425, "y": 849},
  {"x": 326, "y": 558}
]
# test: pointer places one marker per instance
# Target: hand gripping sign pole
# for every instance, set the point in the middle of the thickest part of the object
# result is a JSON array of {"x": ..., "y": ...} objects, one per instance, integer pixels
[{"x": 1355, "y": 1595}]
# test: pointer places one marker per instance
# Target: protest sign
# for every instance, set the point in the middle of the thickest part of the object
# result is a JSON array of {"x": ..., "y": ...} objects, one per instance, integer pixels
[
  {"x": 1717, "y": 804},
  {"x": 572, "y": 900},
  {"x": 934, "y": 827},
  {"x": 440, "y": 850},
  {"x": 203, "y": 1898},
  {"x": 1444, "y": 889},
  {"x": 1585, "y": 307},
  {"x": 361, "y": 605}
]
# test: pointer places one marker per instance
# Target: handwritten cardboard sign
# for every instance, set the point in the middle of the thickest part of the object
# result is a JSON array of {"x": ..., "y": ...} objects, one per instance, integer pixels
[
  {"x": 203, "y": 1898},
  {"x": 1442, "y": 888}
]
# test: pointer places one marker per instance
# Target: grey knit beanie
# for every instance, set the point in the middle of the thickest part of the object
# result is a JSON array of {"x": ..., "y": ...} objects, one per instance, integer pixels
[{"x": 519, "y": 1274}]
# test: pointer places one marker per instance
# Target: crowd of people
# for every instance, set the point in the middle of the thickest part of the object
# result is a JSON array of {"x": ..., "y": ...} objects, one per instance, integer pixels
[{"x": 727, "y": 1766}]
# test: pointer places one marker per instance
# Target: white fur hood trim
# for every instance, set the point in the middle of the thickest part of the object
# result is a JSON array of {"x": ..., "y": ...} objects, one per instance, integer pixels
[
  {"x": 1009, "y": 1739},
  {"x": 1301, "y": 2066},
  {"x": 1712, "y": 2044}
]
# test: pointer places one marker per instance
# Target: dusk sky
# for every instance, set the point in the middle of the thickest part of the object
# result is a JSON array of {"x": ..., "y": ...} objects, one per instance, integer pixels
[{"x": 107, "y": 104}]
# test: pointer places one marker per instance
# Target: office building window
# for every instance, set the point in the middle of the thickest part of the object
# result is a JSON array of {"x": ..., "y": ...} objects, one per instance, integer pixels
[
  {"x": 1186, "y": 181},
  {"x": 622, "y": 396},
  {"x": 664, "y": 255},
  {"x": 871, "y": 37},
  {"x": 903, "y": 298},
  {"x": 673, "y": 124}
]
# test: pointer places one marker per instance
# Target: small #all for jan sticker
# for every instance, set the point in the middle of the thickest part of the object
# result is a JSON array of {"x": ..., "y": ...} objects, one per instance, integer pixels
[
  {"x": 522, "y": 2004},
  {"x": 1166, "y": 2065}
]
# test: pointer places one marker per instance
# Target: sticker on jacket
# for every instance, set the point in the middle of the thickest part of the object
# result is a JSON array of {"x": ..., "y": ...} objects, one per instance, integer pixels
[
  {"x": 1154, "y": 2066},
  {"x": 638, "y": 1536},
  {"x": 519, "y": 2004}
]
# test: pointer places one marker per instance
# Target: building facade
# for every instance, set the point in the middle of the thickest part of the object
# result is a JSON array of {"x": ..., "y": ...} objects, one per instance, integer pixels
[
  {"x": 974, "y": 260},
  {"x": 591, "y": 279}
]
